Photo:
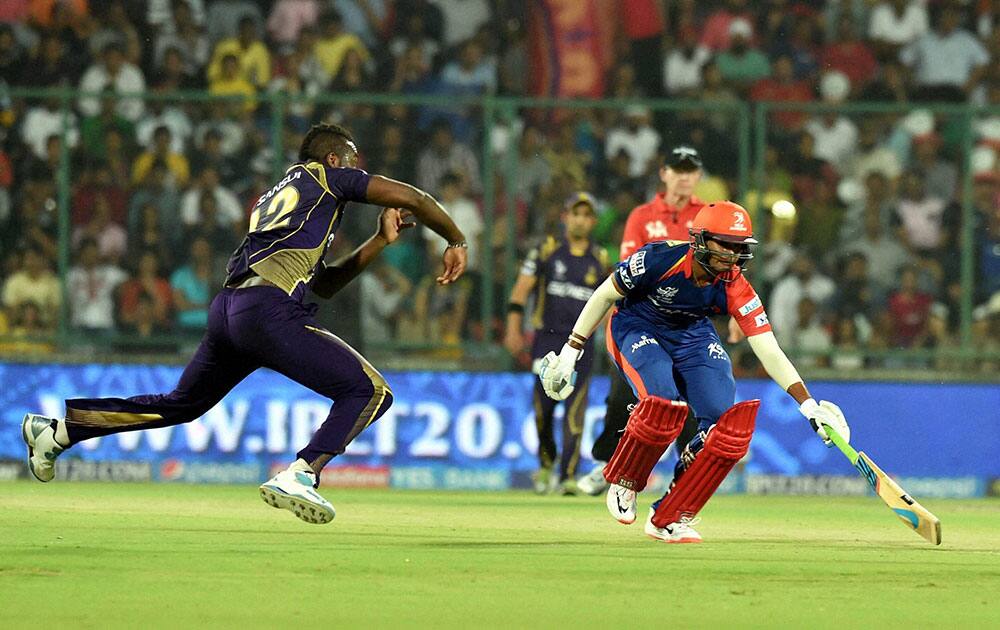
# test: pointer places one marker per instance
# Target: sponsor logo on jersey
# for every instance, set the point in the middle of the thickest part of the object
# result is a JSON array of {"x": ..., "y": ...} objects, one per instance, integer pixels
[
  {"x": 665, "y": 295},
  {"x": 637, "y": 263},
  {"x": 750, "y": 306},
  {"x": 559, "y": 268},
  {"x": 716, "y": 351},
  {"x": 656, "y": 230},
  {"x": 626, "y": 281},
  {"x": 761, "y": 320},
  {"x": 278, "y": 187},
  {"x": 569, "y": 290},
  {"x": 644, "y": 341}
]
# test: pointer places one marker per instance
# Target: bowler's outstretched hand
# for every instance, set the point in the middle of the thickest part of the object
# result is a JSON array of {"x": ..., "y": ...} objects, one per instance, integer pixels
[{"x": 455, "y": 260}]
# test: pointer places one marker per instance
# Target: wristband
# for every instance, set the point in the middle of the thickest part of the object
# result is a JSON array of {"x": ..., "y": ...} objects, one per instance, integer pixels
[
  {"x": 514, "y": 307},
  {"x": 458, "y": 245}
]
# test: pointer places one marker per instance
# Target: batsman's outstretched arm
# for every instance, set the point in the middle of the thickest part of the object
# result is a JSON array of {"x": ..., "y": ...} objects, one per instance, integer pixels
[
  {"x": 557, "y": 371},
  {"x": 781, "y": 370}
]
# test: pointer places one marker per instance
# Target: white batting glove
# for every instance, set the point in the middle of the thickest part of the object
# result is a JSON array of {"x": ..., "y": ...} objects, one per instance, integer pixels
[
  {"x": 558, "y": 372},
  {"x": 825, "y": 413}
]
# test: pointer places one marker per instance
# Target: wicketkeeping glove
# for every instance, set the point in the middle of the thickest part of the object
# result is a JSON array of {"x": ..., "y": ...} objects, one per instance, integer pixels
[
  {"x": 825, "y": 413},
  {"x": 558, "y": 372}
]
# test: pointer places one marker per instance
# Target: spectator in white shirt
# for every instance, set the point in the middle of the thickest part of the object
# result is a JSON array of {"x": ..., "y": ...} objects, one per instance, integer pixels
[
  {"x": 896, "y": 23},
  {"x": 91, "y": 286},
  {"x": 115, "y": 72},
  {"x": 637, "y": 138},
  {"x": 444, "y": 154},
  {"x": 44, "y": 121},
  {"x": 169, "y": 116},
  {"x": 803, "y": 282},
  {"x": 230, "y": 212},
  {"x": 835, "y": 138},
  {"x": 682, "y": 67},
  {"x": 811, "y": 336},
  {"x": 472, "y": 72},
  {"x": 384, "y": 294},
  {"x": 948, "y": 62},
  {"x": 462, "y": 19},
  {"x": 921, "y": 215}
]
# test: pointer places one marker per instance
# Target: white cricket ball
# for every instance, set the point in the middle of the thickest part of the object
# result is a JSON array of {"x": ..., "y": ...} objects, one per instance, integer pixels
[{"x": 783, "y": 209}]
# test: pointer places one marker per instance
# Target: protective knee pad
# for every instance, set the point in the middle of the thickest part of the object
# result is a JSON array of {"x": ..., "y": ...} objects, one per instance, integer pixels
[
  {"x": 653, "y": 424},
  {"x": 728, "y": 441}
]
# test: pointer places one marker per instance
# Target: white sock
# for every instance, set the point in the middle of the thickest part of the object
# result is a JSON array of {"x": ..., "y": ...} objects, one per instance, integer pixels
[
  {"x": 301, "y": 464},
  {"x": 62, "y": 437}
]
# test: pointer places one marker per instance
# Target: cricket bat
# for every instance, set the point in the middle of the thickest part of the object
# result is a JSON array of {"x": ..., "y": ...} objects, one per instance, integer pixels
[{"x": 915, "y": 516}]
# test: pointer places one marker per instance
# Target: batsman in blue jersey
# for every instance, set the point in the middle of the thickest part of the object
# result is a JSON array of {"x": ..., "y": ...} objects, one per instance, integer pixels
[
  {"x": 661, "y": 339},
  {"x": 260, "y": 319}
]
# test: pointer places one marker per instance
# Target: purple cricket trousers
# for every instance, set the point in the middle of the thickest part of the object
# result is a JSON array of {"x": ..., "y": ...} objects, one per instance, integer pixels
[
  {"x": 575, "y": 408},
  {"x": 250, "y": 328}
]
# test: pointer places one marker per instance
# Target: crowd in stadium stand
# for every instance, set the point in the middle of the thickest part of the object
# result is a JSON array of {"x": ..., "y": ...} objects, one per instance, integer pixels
[{"x": 161, "y": 187}]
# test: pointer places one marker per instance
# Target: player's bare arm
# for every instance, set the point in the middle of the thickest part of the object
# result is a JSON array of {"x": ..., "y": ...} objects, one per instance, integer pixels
[
  {"x": 513, "y": 337},
  {"x": 391, "y": 193},
  {"x": 781, "y": 370},
  {"x": 333, "y": 278}
]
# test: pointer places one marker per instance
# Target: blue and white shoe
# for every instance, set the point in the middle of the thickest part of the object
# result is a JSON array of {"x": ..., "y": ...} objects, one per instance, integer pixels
[
  {"x": 39, "y": 436},
  {"x": 293, "y": 490}
]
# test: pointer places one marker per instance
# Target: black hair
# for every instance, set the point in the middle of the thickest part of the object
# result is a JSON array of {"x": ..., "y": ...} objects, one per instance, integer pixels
[{"x": 323, "y": 139}]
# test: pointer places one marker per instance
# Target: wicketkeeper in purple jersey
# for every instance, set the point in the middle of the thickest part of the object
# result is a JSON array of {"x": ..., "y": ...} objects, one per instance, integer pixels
[{"x": 260, "y": 319}]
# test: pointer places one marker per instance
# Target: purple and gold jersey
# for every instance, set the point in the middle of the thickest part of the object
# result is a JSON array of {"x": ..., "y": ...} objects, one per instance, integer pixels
[
  {"x": 293, "y": 224},
  {"x": 566, "y": 279},
  {"x": 659, "y": 288}
]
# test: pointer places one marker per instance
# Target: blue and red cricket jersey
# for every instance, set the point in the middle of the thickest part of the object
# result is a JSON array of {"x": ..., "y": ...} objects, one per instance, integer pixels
[{"x": 660, "y": 335}]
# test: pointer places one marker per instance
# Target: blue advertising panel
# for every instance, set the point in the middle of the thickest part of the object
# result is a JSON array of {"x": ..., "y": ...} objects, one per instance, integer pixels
[{"x": 451, "y": 429}]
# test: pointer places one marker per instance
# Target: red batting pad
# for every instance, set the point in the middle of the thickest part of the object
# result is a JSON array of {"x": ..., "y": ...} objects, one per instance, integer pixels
[
  {"x": 727, "y": 443},
  {"x": 653, "y": 424}
]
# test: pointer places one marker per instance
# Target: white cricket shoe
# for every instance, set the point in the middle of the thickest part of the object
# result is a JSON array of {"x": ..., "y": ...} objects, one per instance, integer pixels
[
  {"x": 621, "y": 504},
  {"x": 679, "y": 532},
  {"x": 39, "y": 435},
  {"x": 593, "y": 483},
  {"x": 293, "y": 490}
]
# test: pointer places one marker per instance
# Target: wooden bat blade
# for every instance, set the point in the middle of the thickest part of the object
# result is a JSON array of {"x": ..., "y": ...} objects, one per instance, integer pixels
[{"x": 912, "y": 514}]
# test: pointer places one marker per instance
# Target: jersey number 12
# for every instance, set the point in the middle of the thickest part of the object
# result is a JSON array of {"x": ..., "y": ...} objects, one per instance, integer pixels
[{"x": 277, "y": 213}]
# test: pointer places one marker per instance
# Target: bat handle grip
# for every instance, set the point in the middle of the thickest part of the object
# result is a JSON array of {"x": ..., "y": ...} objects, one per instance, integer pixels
[{"x": 841, "y": 443}]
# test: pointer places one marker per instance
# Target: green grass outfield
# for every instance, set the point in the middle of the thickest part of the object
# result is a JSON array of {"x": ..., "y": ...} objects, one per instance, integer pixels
[{"x": 176, "y": 556}]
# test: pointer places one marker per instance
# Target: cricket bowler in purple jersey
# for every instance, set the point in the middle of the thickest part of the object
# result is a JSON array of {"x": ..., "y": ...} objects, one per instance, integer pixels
[{"x": 260, "y": 319}]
